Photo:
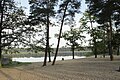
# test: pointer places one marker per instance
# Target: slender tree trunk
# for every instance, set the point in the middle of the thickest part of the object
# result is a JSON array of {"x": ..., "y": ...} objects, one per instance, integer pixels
[
  {"x": 104, "y": 45},
  {"x": 110, "y": 37},
  {"x": 118, "y": 47},
  {"x": 118, "y": 51},
  {"x": 95, "y": 48},
  {"x": 110, "y": 41},
  {"x": 48, "y": 38},
  {"x": 48, "y": 34},
  {"x": 0, "y": 34},
  {"x": 49, "y": 52},
  {"x": 73, "y": 49},
  {"x": 60, "y": 34},
  {"x": 45, "y": 58},
  {"x": 1, "y": 22},
  {"x": 104, "y": 53},
  {"x": 94, "y": 40},
  {"x": 47, "y": 41}
]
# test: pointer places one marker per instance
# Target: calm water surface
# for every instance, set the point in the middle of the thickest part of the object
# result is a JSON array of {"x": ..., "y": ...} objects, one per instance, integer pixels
[{"x": 41, "y": 59}]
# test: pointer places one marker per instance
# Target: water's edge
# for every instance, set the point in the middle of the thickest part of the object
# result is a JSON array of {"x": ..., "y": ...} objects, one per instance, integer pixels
[{"x": 41, "y": 59}]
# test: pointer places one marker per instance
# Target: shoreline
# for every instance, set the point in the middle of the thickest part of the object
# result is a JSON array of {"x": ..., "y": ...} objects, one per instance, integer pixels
[
  {"x": 41, "y": 59},
  {"x": 79, "y": 69}
]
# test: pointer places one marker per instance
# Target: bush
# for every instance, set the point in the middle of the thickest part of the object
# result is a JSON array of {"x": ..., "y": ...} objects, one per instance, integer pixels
[
  {"x": 6, "y": 61},
  {"x": 88, "y": 54}
]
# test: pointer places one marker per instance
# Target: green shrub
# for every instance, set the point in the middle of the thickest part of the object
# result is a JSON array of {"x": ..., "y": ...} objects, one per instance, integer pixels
[{"x": 88, "y": 54}]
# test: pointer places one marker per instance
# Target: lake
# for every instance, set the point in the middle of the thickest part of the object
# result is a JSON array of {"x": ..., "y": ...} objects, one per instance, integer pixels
[{"x": 41, "y": 59}]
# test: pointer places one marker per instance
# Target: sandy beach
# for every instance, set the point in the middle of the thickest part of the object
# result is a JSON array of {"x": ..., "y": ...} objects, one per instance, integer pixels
[{"x": 78, "y": 69}]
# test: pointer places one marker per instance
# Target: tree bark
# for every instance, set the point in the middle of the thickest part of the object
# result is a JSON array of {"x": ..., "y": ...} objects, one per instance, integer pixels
[
  {"x": 47, "y": 41},
  {"x": 49, "y": 53},
  {"x": 110, "y": 41},
  {"x": 60, "y": 34},
  {"x": 73, "y": 49},
  {"x": 118, "y": 51},
  {"x": 95, "y": 48},
  {"x": 94, "y": 40},
  {"x": 1, "y": 22},
  {"x": 45, "y": 58},
  {"x": 104, "y": 45}
]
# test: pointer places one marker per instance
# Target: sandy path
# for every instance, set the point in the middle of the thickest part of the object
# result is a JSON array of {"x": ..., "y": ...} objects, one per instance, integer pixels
[{"x": 80, "y": 69}]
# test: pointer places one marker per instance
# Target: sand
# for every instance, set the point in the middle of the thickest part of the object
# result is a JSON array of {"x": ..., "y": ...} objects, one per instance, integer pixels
[{"x": 78, "y": 69}]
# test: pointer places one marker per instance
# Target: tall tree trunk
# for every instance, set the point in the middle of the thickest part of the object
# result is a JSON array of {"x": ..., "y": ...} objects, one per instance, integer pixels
[
  {"x": 73, "y": 49},
  {"x": 118, "y": 47},
  {"x": 60, "y": 34},
  {"x": 1, "y": 22},
  {"x": 110, "y": 41},
  {"x": 45, "y": 58},
  {"x": 95, "y": 48},
  {"x": 118, "y": 50},
  {"x": 94, "y": 40},
  {"x": 104, "y": 53},
  {"x": 49, "y": 50},
  {"x": 49, "y": 54},
  {"x": 47, "y": 41},
  {"x": 104, "y": 45}
]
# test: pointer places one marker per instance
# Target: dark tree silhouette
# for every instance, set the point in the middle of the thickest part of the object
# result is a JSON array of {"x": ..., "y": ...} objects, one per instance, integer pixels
[
  {"x": 104, "y": 10},
  {"x": 41, "y": 12},
  {"x": 67, "y": 8},
  {"x": 72, "y": 37},
  {"x": 11, "y": 25}
]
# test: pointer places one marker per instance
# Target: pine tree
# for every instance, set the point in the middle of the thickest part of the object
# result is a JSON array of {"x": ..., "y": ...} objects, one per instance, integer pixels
[
  {"x": 11, "y": 25},
  {"x": 41, "y": 12},
  {"x": 104, "y": 10},
  {"x": 67, "y": 10}
]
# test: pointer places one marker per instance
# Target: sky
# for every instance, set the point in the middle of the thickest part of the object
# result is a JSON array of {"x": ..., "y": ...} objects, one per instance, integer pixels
[
  {"x": 26, "y": 4},
  {"x": 54, "y": 30}
]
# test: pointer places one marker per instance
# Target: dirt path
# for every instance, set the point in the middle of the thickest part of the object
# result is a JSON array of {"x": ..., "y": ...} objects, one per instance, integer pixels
[{"x": 79, "y": 69}]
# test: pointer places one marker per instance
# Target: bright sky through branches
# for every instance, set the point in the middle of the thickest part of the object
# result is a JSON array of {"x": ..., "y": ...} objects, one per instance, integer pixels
[{"x": 54, "y": 30}]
